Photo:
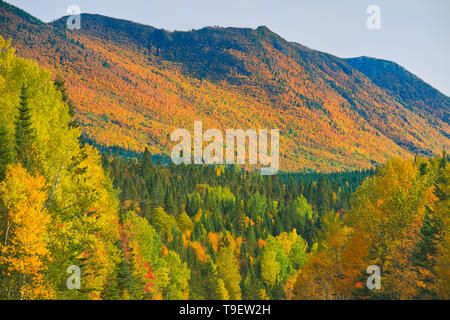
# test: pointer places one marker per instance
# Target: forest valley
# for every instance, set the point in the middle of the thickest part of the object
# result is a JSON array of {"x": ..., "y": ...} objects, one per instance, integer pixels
[{"x": 139, "y": 229}]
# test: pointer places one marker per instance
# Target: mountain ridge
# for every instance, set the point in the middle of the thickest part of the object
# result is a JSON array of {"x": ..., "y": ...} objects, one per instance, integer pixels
[
  {"x": 135, "y": 85},
  {"x": 382, "y": 72}
]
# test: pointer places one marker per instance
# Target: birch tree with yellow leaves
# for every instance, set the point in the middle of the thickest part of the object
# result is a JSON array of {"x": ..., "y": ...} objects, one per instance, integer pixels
[{"x": 24, "y": 233}]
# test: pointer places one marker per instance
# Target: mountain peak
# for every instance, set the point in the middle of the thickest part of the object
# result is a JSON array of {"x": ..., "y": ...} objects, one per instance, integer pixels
[{"x": 133, "y": 84}]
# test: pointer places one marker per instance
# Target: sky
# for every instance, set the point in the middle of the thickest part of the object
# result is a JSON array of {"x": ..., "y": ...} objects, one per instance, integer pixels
[{"x": 413, "y": 33}]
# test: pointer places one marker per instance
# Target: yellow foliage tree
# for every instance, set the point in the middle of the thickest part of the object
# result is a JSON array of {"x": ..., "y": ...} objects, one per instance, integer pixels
[
  {"x": 24, "y": 246},
  {"x": 389, "y": 208}
]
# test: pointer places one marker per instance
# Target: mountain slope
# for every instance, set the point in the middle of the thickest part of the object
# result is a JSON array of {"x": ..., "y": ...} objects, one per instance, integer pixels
[
  {"x": 413, "y": 92},
  {"x": 134, "y": 84}
]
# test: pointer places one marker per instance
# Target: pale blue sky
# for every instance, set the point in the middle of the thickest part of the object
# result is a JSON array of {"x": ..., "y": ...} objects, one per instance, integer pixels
[{"x": 414, "y": 33}]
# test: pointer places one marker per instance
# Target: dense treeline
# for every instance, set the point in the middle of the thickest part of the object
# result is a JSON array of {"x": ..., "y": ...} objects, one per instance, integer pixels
[
  {"x": 202, "y": 211},
  {"x": 209, "y": 209},
  {"x": 140, "y": 230},
  {"x": 176, "y": 190}
]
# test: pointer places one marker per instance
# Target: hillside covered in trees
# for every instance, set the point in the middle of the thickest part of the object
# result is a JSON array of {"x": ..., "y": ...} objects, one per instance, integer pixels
[
  {"x": 132, "y": 85},
  {"x": 142, "y": 230}
]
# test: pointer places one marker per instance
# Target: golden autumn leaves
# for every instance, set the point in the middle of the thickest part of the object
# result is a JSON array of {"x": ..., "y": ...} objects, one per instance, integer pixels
[
  {"x": 386, "y": 227},
  {"x": 24, "y": 247},
  {"x": 66, "y": 212},
  {"x": 59, "y": 212}
]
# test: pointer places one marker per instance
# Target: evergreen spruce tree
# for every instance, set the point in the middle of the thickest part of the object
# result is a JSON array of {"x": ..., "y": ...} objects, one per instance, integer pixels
[
  {"x": 60, "y": 85},
  {"x": 24, "y": 133},
  {"x": 252, "y": 287},
  {"x": 5, "y": 151},
  {"x": 211, "y": 281},
  {"x": 323, "y": 195},
  {"x": 239, "y": 219},
  {"x": 126, "y": 281},
  {"x": 169, "y": 207}
]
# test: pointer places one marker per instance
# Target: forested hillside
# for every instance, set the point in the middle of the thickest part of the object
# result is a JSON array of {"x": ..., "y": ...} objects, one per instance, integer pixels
[
  {"x": 57, "y": 206},
  {"x": 132, "y": 85},
  {"x": 414, "y": 93},
  {"x": 142, "y": 230}
]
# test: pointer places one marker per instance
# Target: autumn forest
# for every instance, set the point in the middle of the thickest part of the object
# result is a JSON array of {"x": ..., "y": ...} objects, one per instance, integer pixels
[{"x": 87, "y": 185}]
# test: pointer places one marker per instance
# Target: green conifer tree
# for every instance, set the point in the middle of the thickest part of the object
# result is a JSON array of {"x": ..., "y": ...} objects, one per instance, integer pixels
[
  {"x": 24, "y": 133},
  {"x": 5, "y": 151},
  {"x": 169, "y": 207},
  {"x": 211, "y": 282},
  {"x": 60, "y": 85}
]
